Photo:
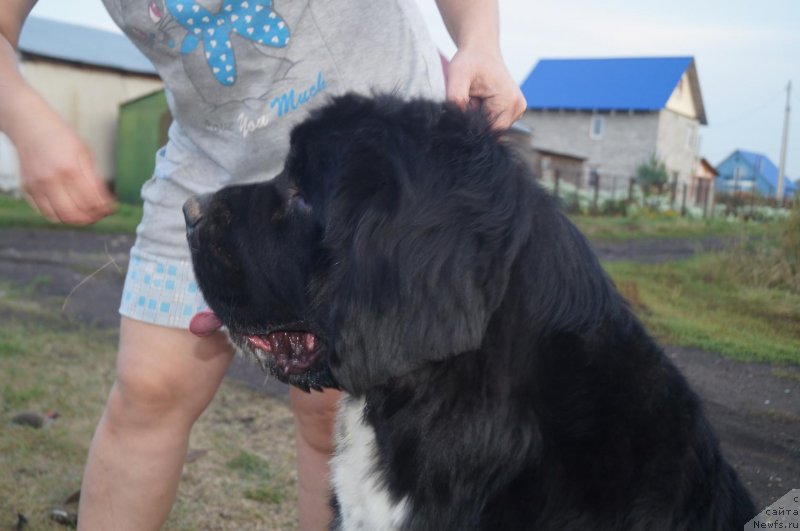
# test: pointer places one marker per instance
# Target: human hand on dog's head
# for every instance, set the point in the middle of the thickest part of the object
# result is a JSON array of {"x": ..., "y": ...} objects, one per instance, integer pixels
[{"x": 479, "y": 77}]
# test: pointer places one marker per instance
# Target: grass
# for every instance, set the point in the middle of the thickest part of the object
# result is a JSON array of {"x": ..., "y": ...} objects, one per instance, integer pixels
[
  {"x": 667, "y": 226},
  {"x": 694, "y": 303},
  {"x": 15, "y": 213},
  {"x": 258, "y": 474},
  {"x": 243, "y": 479},
  {"x": 250, "y": 465}
]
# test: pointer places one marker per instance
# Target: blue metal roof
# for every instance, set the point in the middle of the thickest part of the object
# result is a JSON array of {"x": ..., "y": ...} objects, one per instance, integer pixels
[
  {"x": 81, "y": 44},
  {"x": 637, "y": 84},
  {"x": 765, "y": 168}
]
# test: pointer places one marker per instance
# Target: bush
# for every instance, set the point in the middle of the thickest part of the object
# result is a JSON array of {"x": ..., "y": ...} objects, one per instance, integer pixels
[
  {"x": 652, "y": 175},
  {"x": 615, "y": 207},
  {"x": 766, "y": 262}
]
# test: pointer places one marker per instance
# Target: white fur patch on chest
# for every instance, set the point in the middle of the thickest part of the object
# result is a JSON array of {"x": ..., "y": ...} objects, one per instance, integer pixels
[{"x": 364, "y": 500}]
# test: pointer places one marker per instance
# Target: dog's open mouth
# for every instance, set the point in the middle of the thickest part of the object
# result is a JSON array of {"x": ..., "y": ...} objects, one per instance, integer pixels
[{"x": 292, "y": 351}]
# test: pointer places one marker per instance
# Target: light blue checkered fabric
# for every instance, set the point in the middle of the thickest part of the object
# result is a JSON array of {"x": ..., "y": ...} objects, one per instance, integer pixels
[{"x": 160, "y": 291}]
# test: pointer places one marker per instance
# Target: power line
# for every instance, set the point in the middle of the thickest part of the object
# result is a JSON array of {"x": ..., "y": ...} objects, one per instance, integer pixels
[{"x": 770, "y": 101}]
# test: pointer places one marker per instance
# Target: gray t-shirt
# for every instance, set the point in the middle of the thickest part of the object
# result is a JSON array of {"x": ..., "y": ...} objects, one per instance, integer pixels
[{"x": 240, "y": 73}]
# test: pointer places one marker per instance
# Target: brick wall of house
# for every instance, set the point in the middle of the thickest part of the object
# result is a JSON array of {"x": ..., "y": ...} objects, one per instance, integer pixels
[
  {"x": 626, "y": 142},
  {"x": 677, "y": 143}
]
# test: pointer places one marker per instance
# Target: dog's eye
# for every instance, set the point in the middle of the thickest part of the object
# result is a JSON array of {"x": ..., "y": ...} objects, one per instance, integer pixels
[{"x": 296, "y": 199}]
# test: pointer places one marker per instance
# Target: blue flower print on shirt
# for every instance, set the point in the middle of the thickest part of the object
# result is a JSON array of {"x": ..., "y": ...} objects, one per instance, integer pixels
[{"x": 254, "y": 20}]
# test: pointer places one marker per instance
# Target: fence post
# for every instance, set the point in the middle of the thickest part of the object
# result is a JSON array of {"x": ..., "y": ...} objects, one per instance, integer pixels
[
  {"x": 706, "y": 197},
  {"x": 630, "y": 188},
  {"x": 711, "y": 200},
  {"x": 683, "y": 201},
  {"x": 558, "y": 179},
  {"x": 672, "y": 193},
  {"x": 596, "y": 193}
]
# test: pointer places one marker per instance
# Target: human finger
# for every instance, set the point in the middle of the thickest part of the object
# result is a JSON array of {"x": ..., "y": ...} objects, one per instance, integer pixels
[
  {"x": 41, "y": 205},
  {"x": 498, "y": 114},
  {"x": 503, "y": 111},
  {"x": 57, "y": 206},
  {"x": 65, "y": 207},
  {"x": 89, "y": 192},
  {"x": 458, "y": 87}
]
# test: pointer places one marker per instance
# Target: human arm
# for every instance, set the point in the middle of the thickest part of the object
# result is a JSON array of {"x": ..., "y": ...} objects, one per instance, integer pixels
[
  {"x": 477, "y": 73},
  {"x": 58, "y": 174}
]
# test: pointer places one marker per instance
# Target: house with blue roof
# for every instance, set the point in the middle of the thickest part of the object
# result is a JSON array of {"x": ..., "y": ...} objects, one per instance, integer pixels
[
  {"x": 84, "y": 74},
  {"x": 749, "y": 172},
  {"x": 617, "y": 112}
]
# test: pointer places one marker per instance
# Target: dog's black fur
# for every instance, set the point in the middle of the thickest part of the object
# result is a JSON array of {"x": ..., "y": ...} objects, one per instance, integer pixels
[{"x": 508, "y": 383}]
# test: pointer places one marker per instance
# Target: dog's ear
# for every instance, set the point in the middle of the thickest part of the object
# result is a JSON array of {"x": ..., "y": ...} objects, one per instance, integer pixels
[{"x": 420, "y": 261}]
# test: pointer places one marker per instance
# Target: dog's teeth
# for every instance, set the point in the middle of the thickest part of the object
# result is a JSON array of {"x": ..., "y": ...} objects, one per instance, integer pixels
[{"x": 259, "y": 343}]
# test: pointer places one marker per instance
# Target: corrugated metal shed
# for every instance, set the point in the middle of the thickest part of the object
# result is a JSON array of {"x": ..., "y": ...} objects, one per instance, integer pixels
[
  {"x": 614, "y": 84},
  {"x": 81, "y": 44}
]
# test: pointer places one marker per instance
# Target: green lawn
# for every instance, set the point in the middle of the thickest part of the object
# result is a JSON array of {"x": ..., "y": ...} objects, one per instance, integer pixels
[
  {"x": 15, "y": 213},
  {"x": 743, "y": 302},
  {"x": 666, "y": 226},
  {"x": 695, "y": 303}
]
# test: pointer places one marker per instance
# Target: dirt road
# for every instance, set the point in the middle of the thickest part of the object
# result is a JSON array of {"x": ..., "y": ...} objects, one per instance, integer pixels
[{"x": 754, "y": 407}]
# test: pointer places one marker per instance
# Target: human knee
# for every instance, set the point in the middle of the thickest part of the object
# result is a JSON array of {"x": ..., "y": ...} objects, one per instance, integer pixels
[
  {"x": 165, "y": 374},
  {"x": 144, "y": 396}
]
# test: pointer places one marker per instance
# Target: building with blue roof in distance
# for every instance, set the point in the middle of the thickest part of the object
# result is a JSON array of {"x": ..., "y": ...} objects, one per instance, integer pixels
[
  {"x": 749, "y": 172},
  {"x": 84, "y": 74},
  {"x": 618, "y": 112}
]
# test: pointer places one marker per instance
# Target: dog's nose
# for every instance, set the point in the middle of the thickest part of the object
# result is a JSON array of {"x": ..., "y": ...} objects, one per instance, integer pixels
[{"x": 194, "y": 208}]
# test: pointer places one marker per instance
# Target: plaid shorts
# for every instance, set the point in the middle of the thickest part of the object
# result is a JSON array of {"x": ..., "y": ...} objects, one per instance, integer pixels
[
  {"x": 160, "y": 287},
  {"x": 160, "y": 291}
]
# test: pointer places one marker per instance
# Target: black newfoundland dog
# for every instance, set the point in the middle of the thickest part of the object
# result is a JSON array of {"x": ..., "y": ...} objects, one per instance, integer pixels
[{"x": 494, "y": 377}]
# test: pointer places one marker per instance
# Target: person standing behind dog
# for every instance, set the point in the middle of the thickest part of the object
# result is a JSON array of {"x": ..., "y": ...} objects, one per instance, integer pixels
[{"x": 238, "y": 75}]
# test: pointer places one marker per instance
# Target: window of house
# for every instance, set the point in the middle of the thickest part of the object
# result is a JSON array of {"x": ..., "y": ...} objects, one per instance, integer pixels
[{"x": 597, "y": 126}]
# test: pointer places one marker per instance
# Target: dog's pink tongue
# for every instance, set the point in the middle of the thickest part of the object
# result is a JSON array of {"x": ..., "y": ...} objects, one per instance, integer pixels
[{"x": 204, "y": 323}]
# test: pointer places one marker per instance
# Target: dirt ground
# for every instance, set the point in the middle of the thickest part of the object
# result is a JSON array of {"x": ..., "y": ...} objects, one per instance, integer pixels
[{"x": 754, "y": 407}]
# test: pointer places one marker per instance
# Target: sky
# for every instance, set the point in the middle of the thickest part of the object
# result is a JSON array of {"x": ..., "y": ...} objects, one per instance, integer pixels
[{"x": 746, "y": 52}]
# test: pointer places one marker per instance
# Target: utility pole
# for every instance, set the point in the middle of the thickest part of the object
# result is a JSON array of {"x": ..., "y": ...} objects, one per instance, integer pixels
[{"x": 782, "y": 167}]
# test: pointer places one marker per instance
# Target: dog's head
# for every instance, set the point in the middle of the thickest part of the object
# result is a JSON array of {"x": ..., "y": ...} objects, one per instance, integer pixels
[{"x": 385, "y": 244}]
